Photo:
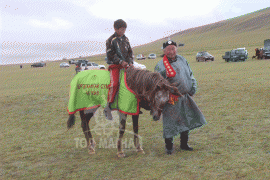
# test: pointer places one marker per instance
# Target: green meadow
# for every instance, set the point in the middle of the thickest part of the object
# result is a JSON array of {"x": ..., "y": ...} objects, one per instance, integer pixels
[{"x": 234, "y": 97}]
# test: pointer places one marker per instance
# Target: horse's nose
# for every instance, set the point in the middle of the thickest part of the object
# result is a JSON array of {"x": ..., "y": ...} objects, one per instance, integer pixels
[{"x": 156, "y": 118}]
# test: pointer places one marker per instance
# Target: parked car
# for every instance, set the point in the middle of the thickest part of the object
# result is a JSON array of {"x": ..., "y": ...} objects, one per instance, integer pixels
[
  {"x": 152, "y": 56},
  {"x": 239, "y": 54},
  {"x": 204, "y": 56},
  {"x": 44, "y": 64},
  {"x": 82, "y": 61},
  {"x": 181, "y": 44},
  {"x": 140, "y": 57},
  {"x": 64, "y": 65},
  {"x": 137, "y": 65},
  {"x": 38, "y": 65},
  {"x": 263, "y": 53},
  {"x": 266, "y": 49},
  {"x": 72, "y": 61},
  {"x": 88, "y": 66}
]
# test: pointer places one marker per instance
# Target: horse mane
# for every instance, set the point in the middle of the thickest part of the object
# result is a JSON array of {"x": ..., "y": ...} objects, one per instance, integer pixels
[{"x": 146, "y": 83}]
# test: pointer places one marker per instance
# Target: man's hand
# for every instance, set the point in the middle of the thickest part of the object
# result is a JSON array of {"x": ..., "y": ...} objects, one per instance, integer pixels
[{"x": 124, "y": 64}]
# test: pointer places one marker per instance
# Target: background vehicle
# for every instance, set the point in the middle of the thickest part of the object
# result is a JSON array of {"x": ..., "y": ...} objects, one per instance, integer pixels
[
  {"x": 72, "y": 61},
  {"x": 204, "y": 56},
  {"x": 266, "y": 49},
  {"x": 181, "y": 44},
  {"x": 239, "y": 54},
  {"x": 82, "y": 61},
  {"x": 38, "y": 65},
  {"x": 64, "y": 65},
  {"x": 264, "y": 53},
  {"x": 140, "y": 57},
  {"x": 152, "y": 56},
  {"x": 88, "y": 66}
]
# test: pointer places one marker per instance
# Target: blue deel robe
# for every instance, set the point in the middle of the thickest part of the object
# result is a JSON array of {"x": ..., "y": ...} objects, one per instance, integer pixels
[{"x": 184, "y": 114}]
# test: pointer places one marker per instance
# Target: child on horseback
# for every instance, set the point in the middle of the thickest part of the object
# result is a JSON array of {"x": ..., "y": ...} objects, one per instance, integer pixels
[{"x": 119, "y": 55}]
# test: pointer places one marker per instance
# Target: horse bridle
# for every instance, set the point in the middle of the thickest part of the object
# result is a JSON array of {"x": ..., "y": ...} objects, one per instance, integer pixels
[{"x": 150, "y": 104}]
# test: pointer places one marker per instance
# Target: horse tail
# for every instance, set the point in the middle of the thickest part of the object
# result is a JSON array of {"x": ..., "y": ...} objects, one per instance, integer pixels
[{"x": 71, "y": 121}]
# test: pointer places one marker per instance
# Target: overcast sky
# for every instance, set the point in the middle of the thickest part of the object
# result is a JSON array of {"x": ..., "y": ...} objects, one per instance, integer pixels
[{"x": 71, "y": 21}]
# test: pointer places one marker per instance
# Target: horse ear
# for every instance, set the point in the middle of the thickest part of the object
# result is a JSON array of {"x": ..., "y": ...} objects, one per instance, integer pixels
[{"x": 159, "y": 86}]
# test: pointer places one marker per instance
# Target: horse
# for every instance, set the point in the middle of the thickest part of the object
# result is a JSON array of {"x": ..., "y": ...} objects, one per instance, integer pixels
[{"x": 152, "y": 91}]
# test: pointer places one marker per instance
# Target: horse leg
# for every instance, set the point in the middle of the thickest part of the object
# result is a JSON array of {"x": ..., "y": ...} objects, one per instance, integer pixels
[
  {"x": 122, "y": 127},
  {"x": 86, "y": 130},
  {"x": 137, "y": 145}
]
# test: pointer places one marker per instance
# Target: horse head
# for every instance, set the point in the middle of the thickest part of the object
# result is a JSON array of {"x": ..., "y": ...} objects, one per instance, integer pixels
[
  {"x": 162, "y": 97},
  {"x": 152, "y": 87}
]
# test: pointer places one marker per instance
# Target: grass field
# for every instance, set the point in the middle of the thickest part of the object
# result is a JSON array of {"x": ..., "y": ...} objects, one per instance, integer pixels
[{"x": 234, "y": 97}]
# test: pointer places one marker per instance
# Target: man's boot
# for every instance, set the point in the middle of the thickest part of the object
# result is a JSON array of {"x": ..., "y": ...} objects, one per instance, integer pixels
[
  {"x": 169, "y": 145},
  {"x": 108, "y": 112},
  {"x": 184, "y": 141}
]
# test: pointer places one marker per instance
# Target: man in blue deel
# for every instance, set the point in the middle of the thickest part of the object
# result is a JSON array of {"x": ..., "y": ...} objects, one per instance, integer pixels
[{"x": 182, "y": 114}]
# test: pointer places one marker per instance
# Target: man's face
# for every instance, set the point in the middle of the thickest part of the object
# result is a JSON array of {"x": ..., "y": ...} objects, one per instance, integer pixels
[
  {"x": 120, "y": 32},
  {"x": 170, "y": 51}
]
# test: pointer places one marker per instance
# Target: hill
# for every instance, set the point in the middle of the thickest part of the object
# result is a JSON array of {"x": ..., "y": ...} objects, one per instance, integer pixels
[{"x": 244, "y": 31}]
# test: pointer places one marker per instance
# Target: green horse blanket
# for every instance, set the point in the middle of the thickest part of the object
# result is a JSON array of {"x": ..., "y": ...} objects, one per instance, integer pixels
[{"x": 89, "y": 89}]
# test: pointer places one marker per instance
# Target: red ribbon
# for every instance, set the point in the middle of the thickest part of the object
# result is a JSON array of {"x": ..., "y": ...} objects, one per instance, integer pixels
[
  {"x": 170, "y": 72},
  {"x": 172, "y": 99}
]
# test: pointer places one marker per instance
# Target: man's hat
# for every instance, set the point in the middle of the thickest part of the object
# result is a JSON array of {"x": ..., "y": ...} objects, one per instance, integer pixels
[{"x": 170, "y": 42}]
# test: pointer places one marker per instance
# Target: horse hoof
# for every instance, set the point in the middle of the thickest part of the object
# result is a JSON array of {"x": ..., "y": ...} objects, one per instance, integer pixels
[
  {"x": 91, "y": 151},
  {"x": 140, "y": 151},
  {"x": 121, "y": 155}
]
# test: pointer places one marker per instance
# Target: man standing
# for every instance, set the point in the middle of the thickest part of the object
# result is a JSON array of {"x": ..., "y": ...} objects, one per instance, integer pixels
[
  {"x": 119, "y": 55},
  {"x": 182, "y": 114}
]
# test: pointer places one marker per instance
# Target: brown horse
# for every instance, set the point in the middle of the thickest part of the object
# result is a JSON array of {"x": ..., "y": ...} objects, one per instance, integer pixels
[{"x": 153, "y": 92}]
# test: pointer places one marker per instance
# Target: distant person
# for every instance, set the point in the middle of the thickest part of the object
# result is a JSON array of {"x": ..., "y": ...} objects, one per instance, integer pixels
[
  {"x": 182, "y": 114},
  {"x": 21, "y": 66},
  {"x": 77, "y": 68},
  {"x": 119, "y": 55}
]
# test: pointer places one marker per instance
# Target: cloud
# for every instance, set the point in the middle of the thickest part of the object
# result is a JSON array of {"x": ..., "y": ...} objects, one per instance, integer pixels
[
  {"x": 236, "y": 10},
  {"x": 0, "y": 23},
  {"x": 148, "y": 11},
  {"x": 84, "y": 3},
  {"x": 54, "y": 24}
]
